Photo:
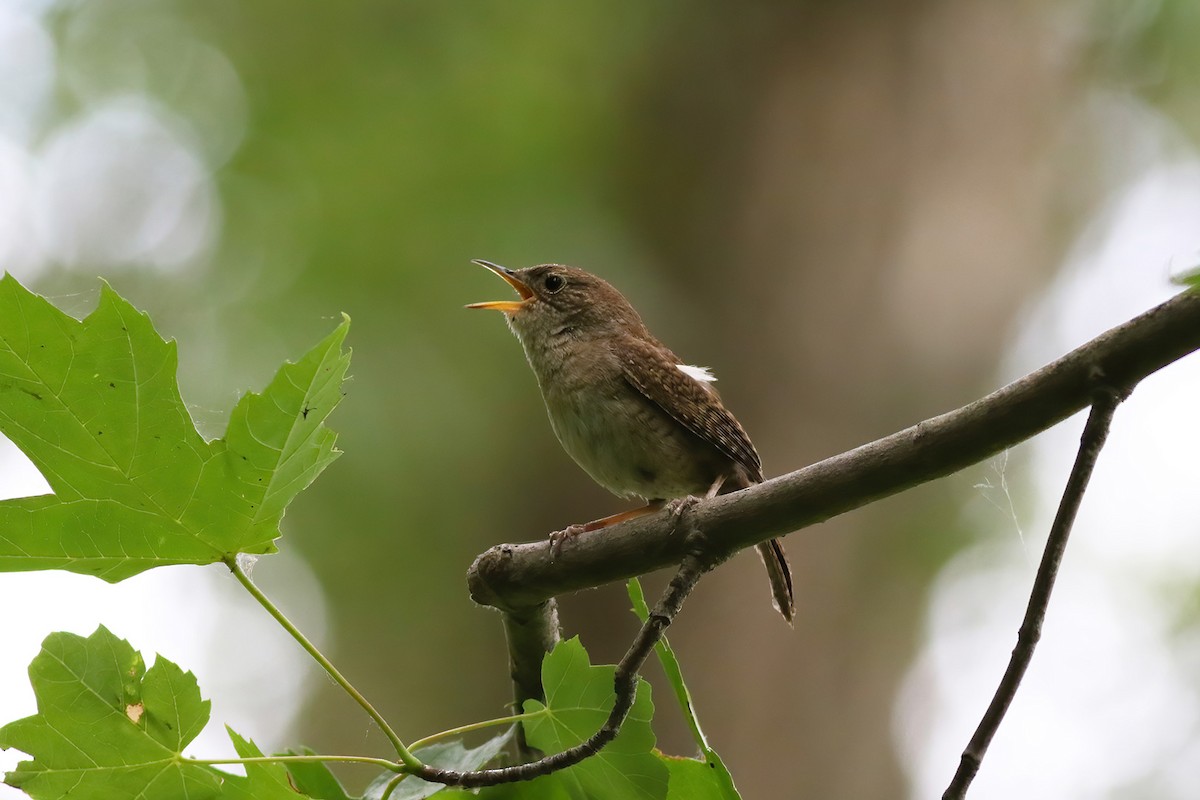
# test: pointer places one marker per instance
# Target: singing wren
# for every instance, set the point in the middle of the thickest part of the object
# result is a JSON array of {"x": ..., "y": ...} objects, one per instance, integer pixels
[{"x": 636, "y": 418}]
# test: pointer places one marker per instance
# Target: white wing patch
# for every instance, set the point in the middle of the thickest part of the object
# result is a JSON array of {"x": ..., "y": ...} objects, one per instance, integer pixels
[{"x": 702, "y": 374}]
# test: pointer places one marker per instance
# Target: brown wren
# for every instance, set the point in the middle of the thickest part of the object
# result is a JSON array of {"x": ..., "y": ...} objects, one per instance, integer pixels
[{"x": 637, "y": 419}]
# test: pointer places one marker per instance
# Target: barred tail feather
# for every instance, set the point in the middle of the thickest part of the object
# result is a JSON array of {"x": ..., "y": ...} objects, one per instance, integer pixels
[{"x": 780, "y": 574}]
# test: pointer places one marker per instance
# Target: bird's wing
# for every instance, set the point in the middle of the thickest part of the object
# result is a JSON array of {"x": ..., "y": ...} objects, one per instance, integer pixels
[{"x": 692, "y": 404}]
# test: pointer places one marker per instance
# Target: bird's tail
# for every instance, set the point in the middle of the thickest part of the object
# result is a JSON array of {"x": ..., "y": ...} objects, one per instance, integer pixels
[{"x": 780, "y": 574}]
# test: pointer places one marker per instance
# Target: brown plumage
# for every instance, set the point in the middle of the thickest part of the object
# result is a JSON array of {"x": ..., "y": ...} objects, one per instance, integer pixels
[{"x": 625, "y": 408}]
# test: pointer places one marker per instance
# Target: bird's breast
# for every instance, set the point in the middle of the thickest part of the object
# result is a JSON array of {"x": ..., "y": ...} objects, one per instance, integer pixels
[{"x": 624, "y": 441}]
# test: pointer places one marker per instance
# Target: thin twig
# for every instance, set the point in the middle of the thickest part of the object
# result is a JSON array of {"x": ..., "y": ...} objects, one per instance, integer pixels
[
  {"x": 695, "y": 563},
  {"x": 1090, "y": 443}
]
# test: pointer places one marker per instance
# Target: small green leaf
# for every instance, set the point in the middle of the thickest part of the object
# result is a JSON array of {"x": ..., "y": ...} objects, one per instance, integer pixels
[
  {"x": 1190, "y": 278},
  {"x": 96, "y": 407},
  {"x": 447, "y": 755},
  {"x": 578, "y": 700},
  {"x": 315, "y": 779},
  {"x": 697, "y": 780},
  {"x": 713, "y": 768},
  {"x": 106, "y": 727},
  {"x": 262, "y": 781}
]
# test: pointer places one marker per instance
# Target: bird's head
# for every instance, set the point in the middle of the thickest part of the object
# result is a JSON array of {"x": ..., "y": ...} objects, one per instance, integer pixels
[{"x": 555, "y": 300}]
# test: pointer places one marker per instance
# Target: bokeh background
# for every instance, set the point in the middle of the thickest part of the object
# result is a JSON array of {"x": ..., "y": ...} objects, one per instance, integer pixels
[{"x": 858, "y": 214}]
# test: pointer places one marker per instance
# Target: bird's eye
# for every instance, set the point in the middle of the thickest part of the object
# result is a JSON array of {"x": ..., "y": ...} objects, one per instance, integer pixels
[{"x": 554, "y": 283}]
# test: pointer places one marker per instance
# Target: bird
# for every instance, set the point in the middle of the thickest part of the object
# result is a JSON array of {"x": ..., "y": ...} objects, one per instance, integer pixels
[{"x": 637, "y": 419}]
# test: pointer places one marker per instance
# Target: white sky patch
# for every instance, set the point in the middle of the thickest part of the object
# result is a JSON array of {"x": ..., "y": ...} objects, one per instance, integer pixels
[
  {"x": 120, "y": 175},
  {"x": 121, "y": 184},
  {"x": 27, "y": 72},
  {"x": 702, "y": 374}
]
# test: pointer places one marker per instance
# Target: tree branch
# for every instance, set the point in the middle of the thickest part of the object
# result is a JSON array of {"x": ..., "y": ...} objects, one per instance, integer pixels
[
  {"x": 531, "y": 633},
  {"x": 524, "y": 575},
  {"x": 1090, "y": 443}
]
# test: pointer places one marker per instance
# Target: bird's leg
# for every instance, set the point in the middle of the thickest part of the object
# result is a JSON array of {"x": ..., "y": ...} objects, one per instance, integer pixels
[
  {"x": 715, "y": 489},
  {"x": 558, "y": 537},
  {"x": 675, "y": 508},
  {"x": 680, "y": 505}
]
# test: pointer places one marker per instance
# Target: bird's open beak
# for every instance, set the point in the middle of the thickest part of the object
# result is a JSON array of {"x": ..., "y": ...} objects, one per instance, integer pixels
[{"x": 511, "y": 278}]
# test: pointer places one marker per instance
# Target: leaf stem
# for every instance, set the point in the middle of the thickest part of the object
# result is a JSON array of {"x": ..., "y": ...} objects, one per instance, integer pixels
[
  {"x": 407, "y": 758},
  {"x": 475, "y": 726},
  {"x": 670, "y": 665},
  {"x": 308, "y": 759},
  {"x": 391, "y": 787}
]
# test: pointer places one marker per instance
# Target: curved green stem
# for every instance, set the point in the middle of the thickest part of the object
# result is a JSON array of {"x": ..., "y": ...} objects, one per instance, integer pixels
[
  {"x": 474, "y": 726},
  {"x": 406, "y": 757},
  {"x": 309, "y": 759},
  {"x": 391, "y": 787}
]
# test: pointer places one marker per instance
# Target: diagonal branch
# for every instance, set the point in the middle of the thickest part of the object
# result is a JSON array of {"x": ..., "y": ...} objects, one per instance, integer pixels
[
  {"x": 524, "y": 575},
  {"x": 1090, "y": 443}
]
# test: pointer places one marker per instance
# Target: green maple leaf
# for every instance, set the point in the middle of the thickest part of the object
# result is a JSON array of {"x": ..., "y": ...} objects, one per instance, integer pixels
[
  {"x": 106, "y": 727},
  {"x": 109, "y": 728},
  {"x": 579, "y": 697},
  {"x": 96, "y": 407}
]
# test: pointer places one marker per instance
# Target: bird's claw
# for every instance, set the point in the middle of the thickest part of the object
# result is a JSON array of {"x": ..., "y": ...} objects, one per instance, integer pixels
[
  {"x": 558, "y": 537},
  {"x": 678, "y": 507}
]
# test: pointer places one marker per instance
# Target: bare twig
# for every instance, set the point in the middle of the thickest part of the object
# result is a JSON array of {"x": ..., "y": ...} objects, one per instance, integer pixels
[
  {"x": 695, "y": 563},
  {"x": 1090, "y": 443},
  {"x": 523, "y": 575}
]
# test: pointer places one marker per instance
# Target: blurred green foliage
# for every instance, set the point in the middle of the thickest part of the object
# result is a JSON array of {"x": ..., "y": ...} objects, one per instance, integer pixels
[{"x": 1150, "y": 49}]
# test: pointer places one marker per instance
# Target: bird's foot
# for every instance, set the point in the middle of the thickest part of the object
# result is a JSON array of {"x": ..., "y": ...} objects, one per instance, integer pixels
[
  {"x": 558, "y": 537},
  {"x": 678, "y": 509}
]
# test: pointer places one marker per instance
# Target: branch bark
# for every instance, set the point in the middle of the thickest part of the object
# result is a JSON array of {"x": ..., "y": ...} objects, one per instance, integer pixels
[
  {"x": 531, "y": 633},
  {"x": 514, "y": 577}
]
